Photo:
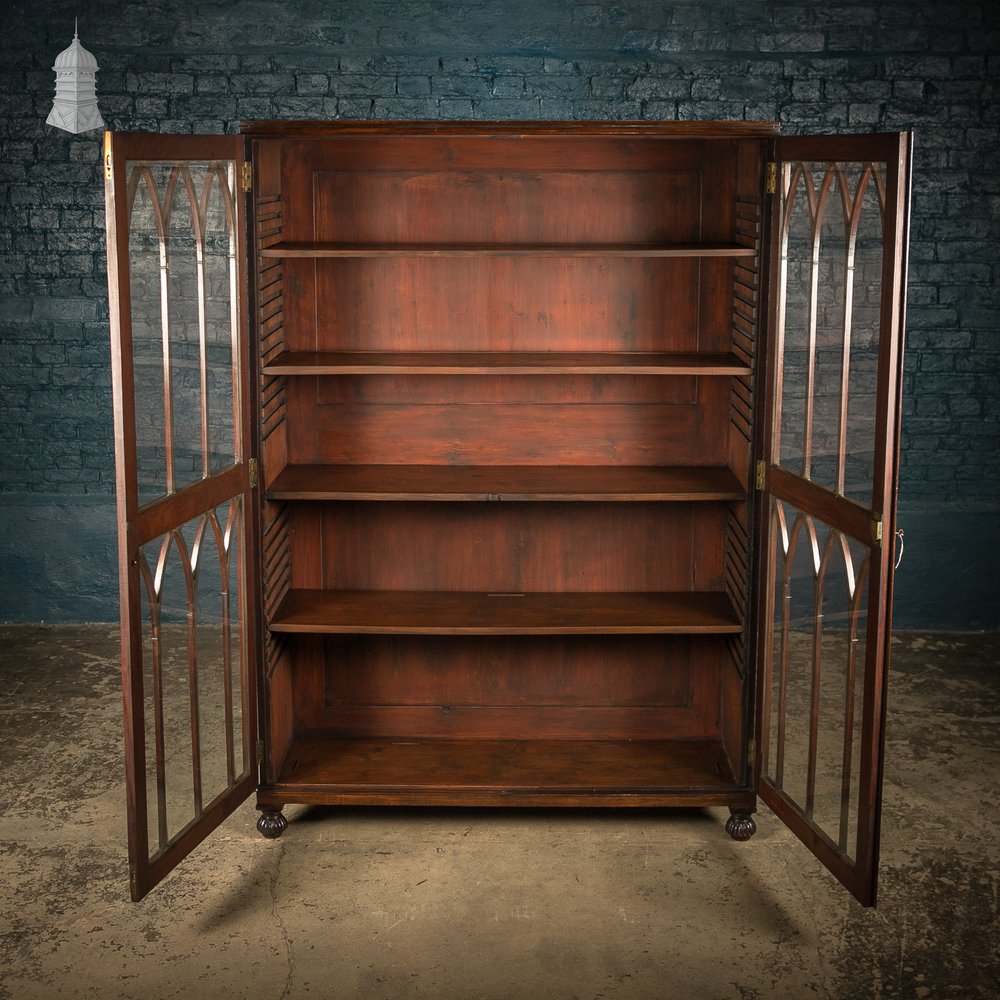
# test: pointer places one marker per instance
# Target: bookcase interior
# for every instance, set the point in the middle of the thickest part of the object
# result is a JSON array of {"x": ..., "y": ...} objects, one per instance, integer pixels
[{"x": 506, "y": 407}]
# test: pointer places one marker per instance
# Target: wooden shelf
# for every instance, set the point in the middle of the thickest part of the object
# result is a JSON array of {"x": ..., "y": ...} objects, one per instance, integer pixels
[
  {"x": 504, "y": 772},
  {"x": 502, "y": 363},
  {"x": 505, "y": 483},
  {"x": 316, "y": 250},
  {"x": 464, "y": 613}
]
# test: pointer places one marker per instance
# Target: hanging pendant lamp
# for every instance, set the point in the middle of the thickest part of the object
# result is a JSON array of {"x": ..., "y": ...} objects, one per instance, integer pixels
[{"x": 75, "y": 106}]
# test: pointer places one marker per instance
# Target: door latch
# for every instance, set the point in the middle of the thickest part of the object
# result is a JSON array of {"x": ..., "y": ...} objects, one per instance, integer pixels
[{"x": 876, "y": 529}]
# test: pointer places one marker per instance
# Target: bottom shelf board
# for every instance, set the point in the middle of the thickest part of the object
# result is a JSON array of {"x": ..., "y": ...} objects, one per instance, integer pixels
[{"x": 390, "y": 771}]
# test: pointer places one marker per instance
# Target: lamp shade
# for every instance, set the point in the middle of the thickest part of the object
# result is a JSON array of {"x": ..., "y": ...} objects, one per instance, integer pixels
[{"x": 75, "y": 106}]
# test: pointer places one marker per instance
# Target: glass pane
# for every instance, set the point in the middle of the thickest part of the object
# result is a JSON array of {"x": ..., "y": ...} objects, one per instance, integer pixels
[
  {"x": 830, "y": 287},
  {"x": 866, "y": 311},
  {"x": 795, "y": 306},
  {"x": 842, "y": 602},
  {"x": 193, "y": 665},
  {"x": 217, "y": 617},
  {"x": 147, "y": 340},
  {"x": 167, "y": 694},
  {"x": 222, "y": 340},
  {"x": 828, "y": 352},
  {"x": 182, "y": 279},
  {"x": 815, "y": 678}
]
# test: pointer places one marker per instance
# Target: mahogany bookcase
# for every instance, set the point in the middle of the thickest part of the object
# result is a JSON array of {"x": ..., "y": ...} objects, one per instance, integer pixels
[{"x": 506, "y": 464}]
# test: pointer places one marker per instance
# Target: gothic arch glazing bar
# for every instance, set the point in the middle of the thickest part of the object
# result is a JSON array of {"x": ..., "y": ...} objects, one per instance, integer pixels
[
  {"x": 175, "y": 243},
  {"x": 834, "y": 373}
]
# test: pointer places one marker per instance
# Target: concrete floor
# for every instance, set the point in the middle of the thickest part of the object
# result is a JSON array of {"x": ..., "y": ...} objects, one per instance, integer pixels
[{"x": 379, "y": 904}]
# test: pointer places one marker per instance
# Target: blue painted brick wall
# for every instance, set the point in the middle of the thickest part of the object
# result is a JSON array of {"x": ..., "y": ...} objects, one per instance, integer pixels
[{"x": 183, "y": 67}]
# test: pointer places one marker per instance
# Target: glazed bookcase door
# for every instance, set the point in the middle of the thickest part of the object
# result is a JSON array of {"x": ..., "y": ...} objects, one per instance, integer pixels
[
  {"x": 175, "y": 252},
  {"x": 839, "y": 229}
]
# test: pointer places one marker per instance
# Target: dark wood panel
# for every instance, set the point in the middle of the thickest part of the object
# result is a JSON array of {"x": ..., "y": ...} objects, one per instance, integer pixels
[
  {"x": 447, "y": 672},
  {"x": 160, "y": 516},
  {"x": 519, "y": 722},
  {"x": 718, "y": 176},
  {"x": 860, "y": 148},
  {"x": 276, "y": 555},
  {"x": 463, "y": 613},
  {"x": 523, "y": 211},
  {"x": 503, "y": 363},
  {"x": 280, "y": 697},
  {"x": 309, "y": 680},
  {"x": 519, "y": 687},
  {"x": 435, "y": 162},
  {"x": 327, "y": 250},
  {"x": 498, "y": 304},
  {"x": 839, "y": 512},
  {"x": 519, "y": 434},
  {"x": 488, "y": 132},
  {"x": 738, "y": 798},
  {"x": 489, "y": 389},
  {"x": 267, "y": 169},
  {"x": 579, "y": 767},
  {"x": 506, "y": 686},
  {"x": 732, "y": 715},
  {"x": 498, "y": 483},
  {"x": 715, "y": 291},
  {"x": 509, "y": 546}
]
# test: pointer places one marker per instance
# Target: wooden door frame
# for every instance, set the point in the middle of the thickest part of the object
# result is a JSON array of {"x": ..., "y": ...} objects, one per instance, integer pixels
[
  {"x": 138, "y": 523},
  {"x": 895, "y": 149}
]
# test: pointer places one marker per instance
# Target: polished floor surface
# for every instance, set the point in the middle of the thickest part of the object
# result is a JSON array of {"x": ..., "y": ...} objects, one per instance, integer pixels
[{"x": 519, "y": 905}]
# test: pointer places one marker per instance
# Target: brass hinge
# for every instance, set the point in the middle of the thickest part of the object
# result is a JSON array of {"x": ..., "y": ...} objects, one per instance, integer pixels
[
  {"x": 247, "y": 177},
  {"x": 107, "y": 156},
  {"x": 253, "y": 473},
  {"x": 760, "y": 475},
  {"x": 771, "y": 179},
  {"x": 876, "y": 529},
  {"x": 751, "y": 752},
  {"x": 260, "y": 753}
]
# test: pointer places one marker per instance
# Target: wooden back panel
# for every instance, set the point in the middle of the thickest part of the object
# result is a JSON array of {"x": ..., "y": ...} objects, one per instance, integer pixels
[
  {"x": 453, "y": 188},
  {"x": 537, "y": 189},
  {"x": 595, "y": 547}
]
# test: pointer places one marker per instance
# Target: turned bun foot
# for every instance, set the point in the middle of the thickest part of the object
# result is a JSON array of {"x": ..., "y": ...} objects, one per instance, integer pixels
[
  {"x": 740, "y": 826},
  {"x": 272, "y": 824}
]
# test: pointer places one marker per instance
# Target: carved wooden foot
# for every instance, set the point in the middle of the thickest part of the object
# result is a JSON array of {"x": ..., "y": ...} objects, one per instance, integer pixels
[
  {"x": 271, "y": 823},
  {"x": 740, "y": 826}
]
